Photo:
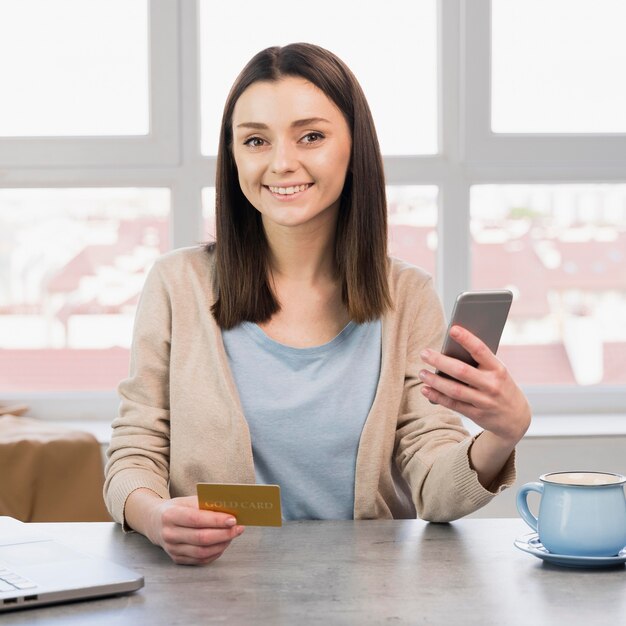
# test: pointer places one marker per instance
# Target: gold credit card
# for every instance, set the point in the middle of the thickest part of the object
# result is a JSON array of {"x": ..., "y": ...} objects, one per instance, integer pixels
[{"x": 252, "y": 505}]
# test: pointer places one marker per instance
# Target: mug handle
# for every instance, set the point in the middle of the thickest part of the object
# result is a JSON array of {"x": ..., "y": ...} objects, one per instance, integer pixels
[{"x": 522, "y": 503}]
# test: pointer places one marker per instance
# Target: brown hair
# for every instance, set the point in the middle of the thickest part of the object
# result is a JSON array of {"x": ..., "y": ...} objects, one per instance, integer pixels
[{"x": 242, "y": 281}]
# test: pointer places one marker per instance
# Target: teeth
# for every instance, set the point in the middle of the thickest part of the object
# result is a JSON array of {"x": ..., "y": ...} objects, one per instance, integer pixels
[{"x": 285, "y": 191}]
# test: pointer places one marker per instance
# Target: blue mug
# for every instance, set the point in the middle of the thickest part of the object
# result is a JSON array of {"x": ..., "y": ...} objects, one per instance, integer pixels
[{"x": 580, "y": 513}]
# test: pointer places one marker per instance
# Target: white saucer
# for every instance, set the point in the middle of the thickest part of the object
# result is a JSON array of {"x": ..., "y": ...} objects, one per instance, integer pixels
[{"x": 530, "y": 543}]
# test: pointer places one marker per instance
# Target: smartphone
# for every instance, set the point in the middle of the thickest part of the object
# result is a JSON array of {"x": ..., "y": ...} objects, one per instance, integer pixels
[{"x": 484, "y": 314}]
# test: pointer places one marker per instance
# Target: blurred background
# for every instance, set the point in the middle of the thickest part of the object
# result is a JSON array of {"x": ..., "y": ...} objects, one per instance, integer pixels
[{"x": 503, "y": 129}]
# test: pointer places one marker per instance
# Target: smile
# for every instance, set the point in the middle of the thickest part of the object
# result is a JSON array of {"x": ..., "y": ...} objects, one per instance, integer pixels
[{"x": 288, "y": 191}]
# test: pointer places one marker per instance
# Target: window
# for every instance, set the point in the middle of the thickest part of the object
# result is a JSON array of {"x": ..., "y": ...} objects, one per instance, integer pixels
[
  {"x": 413, "y": 224},
  {"x": 395, "y": 65},
  {"x": 486, "y": 163},
  {"x": 73, "y": 266},
  {"x": 83, "y": 85},
  {"x": 555, "y": 66},
  {"x": 561, "y": 249},
  {"x": 74, "y": 67}
]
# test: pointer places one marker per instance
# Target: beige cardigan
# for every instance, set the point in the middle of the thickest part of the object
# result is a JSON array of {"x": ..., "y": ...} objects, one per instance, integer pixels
[{"x": 181, "y": 420}]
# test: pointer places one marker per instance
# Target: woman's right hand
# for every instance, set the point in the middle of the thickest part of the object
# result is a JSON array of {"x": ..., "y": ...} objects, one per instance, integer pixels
[{"x": 191, "y": 536}]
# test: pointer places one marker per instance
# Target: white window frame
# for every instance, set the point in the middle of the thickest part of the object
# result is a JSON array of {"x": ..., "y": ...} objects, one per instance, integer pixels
[
  {"x": 469, "y": 154},
  {"x": 569, "y": 155},
  {"x": 499, "y": 158},
  {"x": 159, "y": 147}
]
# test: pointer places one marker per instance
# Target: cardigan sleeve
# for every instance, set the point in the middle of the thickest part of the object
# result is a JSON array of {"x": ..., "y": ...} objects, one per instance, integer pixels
[
  {"x": 138, "y": 453},
  {"x": 432, "y": 446}
]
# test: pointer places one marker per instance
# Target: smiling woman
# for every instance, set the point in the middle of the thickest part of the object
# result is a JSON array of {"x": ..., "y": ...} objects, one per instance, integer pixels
[
  {"x": 297, "y": 116},
  {"x": 293, "y": 350},
  {"x": 291, "y": 169}
]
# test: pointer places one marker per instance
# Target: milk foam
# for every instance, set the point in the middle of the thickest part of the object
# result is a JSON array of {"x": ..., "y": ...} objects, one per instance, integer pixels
[{"x": 583, "y": 478}]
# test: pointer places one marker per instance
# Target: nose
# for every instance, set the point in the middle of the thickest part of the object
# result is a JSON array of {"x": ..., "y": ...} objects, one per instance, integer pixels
[{"x": 284, "y": 157}]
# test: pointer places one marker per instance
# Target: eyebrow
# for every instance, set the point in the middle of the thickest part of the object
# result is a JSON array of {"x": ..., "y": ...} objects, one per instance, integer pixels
[{"x": 307, "y": 121}]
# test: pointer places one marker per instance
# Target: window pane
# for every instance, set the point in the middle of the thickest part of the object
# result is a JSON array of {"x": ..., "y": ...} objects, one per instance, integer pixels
[
  {"x": 74, "y": 67},
  {"x": 72, "y": 265},
  {"x": 396, "y": 65},
  {"x": 561, "y": 249},
  {"x": 558, "y": 66},
  {"x": 412, "y": 222}
]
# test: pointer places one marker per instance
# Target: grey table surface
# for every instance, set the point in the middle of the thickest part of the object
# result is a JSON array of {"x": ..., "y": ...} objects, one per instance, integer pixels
[{"x": 365, "y": 572}]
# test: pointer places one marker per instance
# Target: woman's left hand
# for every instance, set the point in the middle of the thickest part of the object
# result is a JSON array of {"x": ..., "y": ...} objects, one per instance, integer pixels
[{"x": 489, "y": 397}]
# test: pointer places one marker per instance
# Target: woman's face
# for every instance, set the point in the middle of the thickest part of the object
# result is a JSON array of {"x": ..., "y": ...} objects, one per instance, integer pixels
[{"x": 291, "y": 145}]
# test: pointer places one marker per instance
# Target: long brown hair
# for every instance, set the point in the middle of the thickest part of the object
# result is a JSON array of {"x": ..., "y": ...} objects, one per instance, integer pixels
[{"x": 242, "y": 282}]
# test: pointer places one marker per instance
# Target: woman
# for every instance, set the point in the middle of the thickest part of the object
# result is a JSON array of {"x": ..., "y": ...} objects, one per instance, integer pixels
[{"x": 293, "y": 350}]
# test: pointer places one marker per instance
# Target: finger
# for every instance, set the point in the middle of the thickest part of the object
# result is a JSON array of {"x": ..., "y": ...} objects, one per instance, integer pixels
[
  {"x": 478, "y": 349},
  {"x": 194, "y": 562},
  {"x": 469, "y": 410},
  {"x": 452, "y": 388},
  {"x": 179, "y": 535},
  {"x": 455, "y": 368},
  {"x": 197, "y": 555},
  {"x": 459, "y": 370},
  {"x": 183, "y": 515},
  {"x": 200, "y": 553}
]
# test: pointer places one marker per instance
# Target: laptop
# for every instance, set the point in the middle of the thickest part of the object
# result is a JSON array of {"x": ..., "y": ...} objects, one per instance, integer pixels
[{"x": 35, "y": 570}]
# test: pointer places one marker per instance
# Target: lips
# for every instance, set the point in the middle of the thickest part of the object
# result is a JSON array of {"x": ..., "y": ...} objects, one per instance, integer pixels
[{"x": 288, "y": 192}]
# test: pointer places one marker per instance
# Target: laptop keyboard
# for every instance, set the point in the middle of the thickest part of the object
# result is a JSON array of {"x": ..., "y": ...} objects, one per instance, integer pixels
[{"x": 10, "y": 581}]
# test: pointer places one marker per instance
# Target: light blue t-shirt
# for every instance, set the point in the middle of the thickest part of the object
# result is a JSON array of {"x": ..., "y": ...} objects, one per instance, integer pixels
[{"x": 306, "y": 408}]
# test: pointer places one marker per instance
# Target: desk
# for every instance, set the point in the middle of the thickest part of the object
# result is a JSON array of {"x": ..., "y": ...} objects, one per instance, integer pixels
[{"x": 368, "y": 572}]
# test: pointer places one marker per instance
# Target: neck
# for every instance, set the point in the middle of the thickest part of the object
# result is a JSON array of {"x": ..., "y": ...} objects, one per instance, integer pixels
[{"x": 303, "y": 254}]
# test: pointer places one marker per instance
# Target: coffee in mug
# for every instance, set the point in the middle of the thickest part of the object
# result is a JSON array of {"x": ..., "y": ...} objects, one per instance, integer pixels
[{"x": 580, "y": 513}]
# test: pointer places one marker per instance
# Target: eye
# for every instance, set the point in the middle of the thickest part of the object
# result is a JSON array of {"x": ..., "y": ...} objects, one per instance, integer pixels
[
  {"x": 313, "y": 137},
  {"x": 253, "y": 142}
]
